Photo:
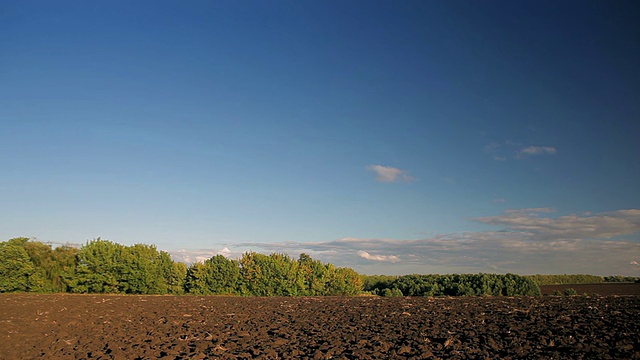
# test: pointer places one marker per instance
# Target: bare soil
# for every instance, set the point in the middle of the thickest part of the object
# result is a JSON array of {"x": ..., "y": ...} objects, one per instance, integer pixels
[{"x": 63, "y": 326}]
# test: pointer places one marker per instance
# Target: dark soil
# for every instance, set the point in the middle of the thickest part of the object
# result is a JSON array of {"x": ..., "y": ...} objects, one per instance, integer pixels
[{"x": 196, "y": 327}]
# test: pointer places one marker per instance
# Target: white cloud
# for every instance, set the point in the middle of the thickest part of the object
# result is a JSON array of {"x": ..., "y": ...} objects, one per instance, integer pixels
[
  {"x": 499, "y": 201},
  {"x": 224, "y": 252},
  {"x": 538, "y": 150},
  {"x": 385, "y": 258},
  {"x": 390, "y": 174},
  {"x": 193, "y": 256}
]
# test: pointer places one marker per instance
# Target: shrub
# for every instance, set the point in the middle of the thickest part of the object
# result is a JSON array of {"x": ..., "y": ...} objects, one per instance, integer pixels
[
  {"x": 570, "y": 291},
  {"x": 391, "y": 292}
]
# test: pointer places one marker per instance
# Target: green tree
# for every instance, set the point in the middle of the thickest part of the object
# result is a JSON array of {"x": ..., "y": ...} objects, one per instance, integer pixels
[
  {"x": 566, "y": 279},
  {"x": 173, "y": 273},
  {"x": 139, "y": 270},
  {"x": 197, "y": 279},
  {"x": 314, "y": 276},
  {"x": 254, "y": 281},
  {"x": 343, "y": 281},
  {"x": 51, "y": 264},
  {"x": 98, "y": 268},
  {"x": 66, "y": 261},
  {"x": 41, "y": 257},
  {"x": 458, "y": 285},
  {"x": 391, "y": 292},
  {"x": 17, "y": 272},
  {"x": 217, "y": 275},
  {"x": 272, "y": 275},
  {"x": 225, "y": 275}
]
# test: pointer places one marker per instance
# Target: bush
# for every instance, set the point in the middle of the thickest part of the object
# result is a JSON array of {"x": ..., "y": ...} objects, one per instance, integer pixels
[
  {"x": 570, "y": 291},
  {"x": 391, "y": 292}
]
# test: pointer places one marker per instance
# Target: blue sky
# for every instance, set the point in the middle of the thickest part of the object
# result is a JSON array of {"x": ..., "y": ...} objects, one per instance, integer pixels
[{"x": 391, "y": 137}]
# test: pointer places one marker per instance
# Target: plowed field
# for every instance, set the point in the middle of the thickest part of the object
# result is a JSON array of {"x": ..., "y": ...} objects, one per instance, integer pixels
[{"x": 195, "y": 327}]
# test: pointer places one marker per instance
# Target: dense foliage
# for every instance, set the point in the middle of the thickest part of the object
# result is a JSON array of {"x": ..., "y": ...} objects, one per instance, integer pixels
[
  {"x": 102, "y": 266},
  {"x": 620, "y": 278},
  {"x": 580, "y": 279},
  {"x": 17, "y": 272},
  {"x": 566, "y": 279},
  {"x": 270, "y": 275},
  {"x": 451, "y": 285}
]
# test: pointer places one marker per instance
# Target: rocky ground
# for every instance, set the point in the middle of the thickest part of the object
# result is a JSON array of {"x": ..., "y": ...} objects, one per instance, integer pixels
[{"x": 196, "y": 327}]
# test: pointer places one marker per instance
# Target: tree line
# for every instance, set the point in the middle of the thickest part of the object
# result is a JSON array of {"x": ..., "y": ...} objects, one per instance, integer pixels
[
  {"x": 452, "y": 285},
  {"x": 574, "y": 279},
  {"x": 102, "y": 266},
  {"x": 566, "y": 279}
]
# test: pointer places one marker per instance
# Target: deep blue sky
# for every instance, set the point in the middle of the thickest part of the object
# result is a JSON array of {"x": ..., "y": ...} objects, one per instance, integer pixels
[{"x": 388, "y": 136}]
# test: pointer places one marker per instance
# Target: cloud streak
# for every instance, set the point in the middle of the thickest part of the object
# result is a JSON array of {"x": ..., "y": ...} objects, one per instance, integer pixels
[
  {"x": 599, "y": 226},
  {"x": 527, "y": 241},
  {"x": 390, "y": 174},
  {"x": 538, "y": 150},
  {"x": 499, "y": 152}
]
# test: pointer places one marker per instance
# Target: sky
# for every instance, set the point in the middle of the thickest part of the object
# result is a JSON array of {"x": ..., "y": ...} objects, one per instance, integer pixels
[{"x": 392, "y": 137}]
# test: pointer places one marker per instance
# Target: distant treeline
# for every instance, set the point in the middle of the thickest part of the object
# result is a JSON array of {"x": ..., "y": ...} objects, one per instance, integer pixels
[
  {"x": 102, "y": 266},
  {"x": 579, "y": 279},
  {"x": 451, "y": 285}
]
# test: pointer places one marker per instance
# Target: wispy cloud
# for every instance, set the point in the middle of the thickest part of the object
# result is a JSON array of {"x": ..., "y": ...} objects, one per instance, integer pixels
[
  {"x": 538, "y": 150},
  {"x": 599, "y": 226},
  {"x": 501, "y": 152},
  {"x": 390, "y": 174},
  {"x": 492, "y": 147}
]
